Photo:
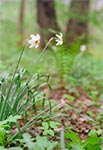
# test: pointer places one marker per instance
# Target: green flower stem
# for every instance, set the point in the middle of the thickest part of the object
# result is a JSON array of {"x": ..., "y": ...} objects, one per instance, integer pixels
[
  {"x": 43, "y": 51},
  {"x": 19, "y": 60},
  {"x": 38, "y": 60}
]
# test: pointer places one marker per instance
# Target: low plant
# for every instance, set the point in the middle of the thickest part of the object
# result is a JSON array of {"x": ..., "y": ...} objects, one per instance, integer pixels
[
  {"x": 5, "y": 127},
  {"x": 41, "y": 142},
  {"x": 48, "y": 127},
  {"x": 30, "y": 143},
  {"x": 91, "y": 142},
  {"x": 17, "y": 98}
]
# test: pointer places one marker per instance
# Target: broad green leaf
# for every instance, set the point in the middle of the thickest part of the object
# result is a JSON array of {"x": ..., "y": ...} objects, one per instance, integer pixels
[
  {"x": 45, "y": 125},
  {"x": 93, "y": 139},
  {"x": 73, "y": 136},
  {"x": 28, "y": 141},
  {"x": 93, "y": 147},
  {"x": 2, "y": 136},
  {"x": 51, "y": 132},
  {"x": 54, "y": 125},
  {"x": 43, "y": 143},
  {"x": 45, "y": 132},
  {"x": 77, "y": 147},
  {"x": 10, "y": 119}
]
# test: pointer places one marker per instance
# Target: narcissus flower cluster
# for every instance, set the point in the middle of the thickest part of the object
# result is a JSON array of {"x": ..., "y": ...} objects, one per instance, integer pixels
[{"x": 35, "y": 40}]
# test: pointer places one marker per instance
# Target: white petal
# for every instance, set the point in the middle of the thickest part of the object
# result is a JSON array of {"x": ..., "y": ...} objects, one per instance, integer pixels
[
  {"x": 57, "y": 36},
  {"x": 37, "y": 36},
  {"x": 32, "y": 36},
  {"x": 60, "y": 35},
  {"x": 36, "y": 45},
  {"x": 59, "y": 41},
  {"x": 31, "y": 46},
  {"x": 30, "y": 41}
]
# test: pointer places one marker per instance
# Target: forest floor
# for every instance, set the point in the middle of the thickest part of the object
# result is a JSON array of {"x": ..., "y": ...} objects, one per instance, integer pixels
[{"x": 81, "y": 112}]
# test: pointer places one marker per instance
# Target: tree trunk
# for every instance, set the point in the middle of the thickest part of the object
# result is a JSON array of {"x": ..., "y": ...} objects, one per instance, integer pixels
[
  {"x": 46, "y": 19},
  {"x": 21, "y": 19},
  {"x": 78, "y": 22}
]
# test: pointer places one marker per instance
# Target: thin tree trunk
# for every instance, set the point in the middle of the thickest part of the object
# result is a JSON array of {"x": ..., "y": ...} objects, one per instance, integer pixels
[
  {"x": 46, "y": 19},
  {"x": 21, "y": 19},
  {"x": 78, "y": 22}
]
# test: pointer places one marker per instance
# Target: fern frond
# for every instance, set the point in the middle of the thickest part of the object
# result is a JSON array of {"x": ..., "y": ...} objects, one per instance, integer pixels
[{"x": 65, "y": 59}]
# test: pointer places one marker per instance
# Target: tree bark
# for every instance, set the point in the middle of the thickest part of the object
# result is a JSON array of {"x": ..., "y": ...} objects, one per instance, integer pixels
[
  {"x": 21, "y": 19},
  {"x": 78, "y": 22},
  {"x": 46, "y": 19}
]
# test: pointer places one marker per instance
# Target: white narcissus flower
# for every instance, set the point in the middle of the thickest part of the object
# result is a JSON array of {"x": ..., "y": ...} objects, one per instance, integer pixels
[
  {"x": 34, "y": 41},
  {"x": 59, "y": 39},
  {"x": 83, "y": 48}
]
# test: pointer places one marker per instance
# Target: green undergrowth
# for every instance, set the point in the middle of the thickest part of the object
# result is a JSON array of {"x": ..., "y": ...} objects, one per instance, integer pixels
[
  {"x": 87, "y": 70},
  {"x": 22, "y": 100},
  {"x": 67, "y": 139}
]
